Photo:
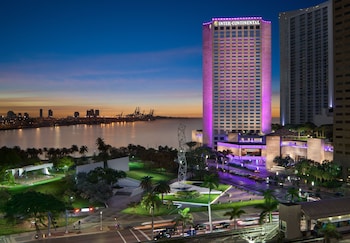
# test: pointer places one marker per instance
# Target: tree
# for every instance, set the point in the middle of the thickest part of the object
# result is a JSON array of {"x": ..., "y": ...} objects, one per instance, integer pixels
[
  {"x": 270, "y": 204},
  {"x": 146, "y": 183},
  {"x": 97, "y": 184},
  {"x": 94, "y": 192},
  {"x": 74, "y": 148},
  {"x": 104, "y": 151},
  {"x": 210, "y": 181},
  {"x": 65, "y": 163},
  {"x": 162, "y": 187},
  {"x": 83, "y": 150},
  {"x": 151, "y": 201},
  {"x": 235, "y": 213},
  {"x": 329, "y": 232},
  {"x": 184, "y": 218},
  {"x": 292, "y": 193},
  {"x": 112, "y": 176},
  {"x": 32, "y": 204}
]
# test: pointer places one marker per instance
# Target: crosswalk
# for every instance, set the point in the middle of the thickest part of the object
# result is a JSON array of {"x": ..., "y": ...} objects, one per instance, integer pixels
[{"x": 6, "y": 239}]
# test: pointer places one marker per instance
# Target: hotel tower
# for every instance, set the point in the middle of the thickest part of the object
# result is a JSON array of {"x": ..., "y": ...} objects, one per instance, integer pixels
[
  {"x": 306, "y": 70},
  {"x": 341, "y": 125},
  {"x": 236, "y": 77}
]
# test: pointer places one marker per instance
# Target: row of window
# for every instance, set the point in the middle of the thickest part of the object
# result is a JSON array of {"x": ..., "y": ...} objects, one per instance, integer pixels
[
  {"x": 245, "y": 27},
  {"x": 238, "y": 33}
]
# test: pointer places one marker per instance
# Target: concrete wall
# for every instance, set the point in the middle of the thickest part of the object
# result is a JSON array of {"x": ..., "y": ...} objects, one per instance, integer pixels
[
  {"x": 289, "y": 216},
  {"x": 119, "y": 164},
  {"x": 88, "y": 167},
  {"x": 273, "y": 149},
  {"x": 116, "y": 164}
]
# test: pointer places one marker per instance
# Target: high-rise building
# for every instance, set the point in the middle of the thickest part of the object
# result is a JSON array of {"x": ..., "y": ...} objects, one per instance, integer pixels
[
  {"x": 50, "y": 113},
  {"x": 41, "y": 113},
  {"x": 306, "y": 70},
  {"x": 236, "y": 77},
  {"x": 341, "y": 124}
]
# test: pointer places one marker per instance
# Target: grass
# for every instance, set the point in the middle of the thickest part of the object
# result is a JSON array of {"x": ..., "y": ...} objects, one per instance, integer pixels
[
  {"x": 203, "y": 198},
  {"x": 36, "y": 185},
  {"x": 138, "y": 171}
]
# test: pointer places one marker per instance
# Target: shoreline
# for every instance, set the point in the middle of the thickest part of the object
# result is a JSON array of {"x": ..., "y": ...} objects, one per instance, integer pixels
[{"x": 71, "y": 121}]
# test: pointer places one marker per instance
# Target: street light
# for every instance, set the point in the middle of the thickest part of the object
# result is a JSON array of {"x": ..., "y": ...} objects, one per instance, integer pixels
[
  {"x": 66, "y": 222},
  {"x": 101, "y": 220}
]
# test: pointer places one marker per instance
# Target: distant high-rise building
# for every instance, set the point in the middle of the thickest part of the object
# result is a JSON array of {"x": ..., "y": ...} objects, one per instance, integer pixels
[
  {"x": 97, "y": 113},
  {"x": 236, "y": 77},
  {"x": 76, "y": 114},
  {"x": 306, "y": 70},
  {"x": 50, "y": 113},
  {"x": 341, "y": 124},
  {"x": 11, "y": 115},
  {"x": 90, "y": 113},
  {"x": 41, "y": 113}
]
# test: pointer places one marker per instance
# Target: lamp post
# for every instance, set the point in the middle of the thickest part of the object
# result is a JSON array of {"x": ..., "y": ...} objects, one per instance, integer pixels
[
  {"x": 101, "y": 220},
  {"x": 66, "y": 222}
]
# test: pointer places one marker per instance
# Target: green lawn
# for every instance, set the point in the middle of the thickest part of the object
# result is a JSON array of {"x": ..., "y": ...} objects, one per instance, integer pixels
[
  {"x": 38, "y": 186},
  {"x": 139, "y": 210},
  {"x": 137, "y": 171},
  {"x": 203, "y": 198}
]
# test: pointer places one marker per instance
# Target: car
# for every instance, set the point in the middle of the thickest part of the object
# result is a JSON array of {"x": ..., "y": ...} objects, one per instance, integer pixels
[
  {"x": 200, "y": 226},
  {"x": 162, "y": 235},
  {"x": 339, "y": 194},
  {"x": 224, "y": 225}
]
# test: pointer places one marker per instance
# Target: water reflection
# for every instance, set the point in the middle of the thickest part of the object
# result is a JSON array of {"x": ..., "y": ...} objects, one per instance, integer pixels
[{"x": 148, "y": 134}]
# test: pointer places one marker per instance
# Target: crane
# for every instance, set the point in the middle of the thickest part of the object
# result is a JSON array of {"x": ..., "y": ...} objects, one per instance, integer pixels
[{"x": 181, "y": 154}]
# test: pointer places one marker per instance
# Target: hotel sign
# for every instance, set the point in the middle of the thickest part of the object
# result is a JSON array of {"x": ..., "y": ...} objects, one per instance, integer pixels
[{"x": 236, "y": 22}]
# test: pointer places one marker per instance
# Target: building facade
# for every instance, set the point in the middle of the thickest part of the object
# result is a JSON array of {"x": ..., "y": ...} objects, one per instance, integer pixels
[
  {"x": 341, "y": 125},
  {"x": 236, "y": 77},
  {"x": 306, "y": 70}
]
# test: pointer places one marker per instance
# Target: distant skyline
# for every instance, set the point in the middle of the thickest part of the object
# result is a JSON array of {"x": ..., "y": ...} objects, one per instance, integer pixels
[{"x": 115, "y": 56}]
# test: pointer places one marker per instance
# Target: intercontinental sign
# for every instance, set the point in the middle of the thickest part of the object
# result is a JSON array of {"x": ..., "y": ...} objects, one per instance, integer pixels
[{"x": 236, "y": 22}]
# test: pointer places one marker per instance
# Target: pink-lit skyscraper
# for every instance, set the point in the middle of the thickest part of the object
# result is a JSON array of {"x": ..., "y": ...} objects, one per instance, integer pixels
[{"x": 236, "y": 77}]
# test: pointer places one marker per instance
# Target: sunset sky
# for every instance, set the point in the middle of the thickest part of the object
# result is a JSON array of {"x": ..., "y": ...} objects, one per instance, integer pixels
[{"x": 72, "y": 55}]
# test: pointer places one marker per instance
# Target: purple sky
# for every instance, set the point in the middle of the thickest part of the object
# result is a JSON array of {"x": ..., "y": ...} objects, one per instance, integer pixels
[{"x": 115, "y": 55}]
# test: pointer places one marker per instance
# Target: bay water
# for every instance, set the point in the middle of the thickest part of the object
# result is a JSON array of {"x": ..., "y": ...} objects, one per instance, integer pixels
[{"x": 150, "y": 134}]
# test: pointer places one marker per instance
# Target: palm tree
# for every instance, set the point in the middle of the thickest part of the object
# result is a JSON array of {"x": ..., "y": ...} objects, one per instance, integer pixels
[
  {"x": 162, "y": 187},
  {"x": 210, "y": 181},
  {"x": 103, "y": 148},
  {"x": 146, "y": 183},
  {"x": 184, "y": 218},
  {"x": 151, "y": 201},
  {"x": 292, "y": 193},
  {"x": 268, "y": 206},
  {"x": 82, "y": 150},
  {"x": 235, "y": 213},
  {"x": 329, "y": 232},
  {"x": 74, "y": 148}
]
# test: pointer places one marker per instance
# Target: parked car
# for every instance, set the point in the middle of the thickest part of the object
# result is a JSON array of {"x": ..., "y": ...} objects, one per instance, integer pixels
[
  {"x": 200, "y": 226},
  {"x": 162, "y": 235},
  {"x": 222, "y": 225}
]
